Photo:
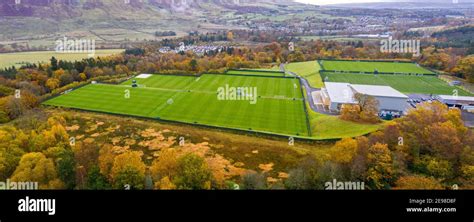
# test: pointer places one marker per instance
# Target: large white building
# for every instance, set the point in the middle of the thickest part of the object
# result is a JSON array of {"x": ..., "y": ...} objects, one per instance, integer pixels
[{"x": 336, "y": 94}]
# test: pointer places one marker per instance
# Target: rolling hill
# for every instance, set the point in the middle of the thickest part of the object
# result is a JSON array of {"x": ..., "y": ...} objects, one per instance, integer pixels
[{"x": 38, "y": 23}]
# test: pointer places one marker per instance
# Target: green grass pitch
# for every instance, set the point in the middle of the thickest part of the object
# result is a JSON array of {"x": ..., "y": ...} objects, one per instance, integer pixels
[
  {"x": 363, "y": 66},
  {"x": 255, "y": 72},
  {"x": 279, "y": 107},
  {"x": 404, "y": 83}
]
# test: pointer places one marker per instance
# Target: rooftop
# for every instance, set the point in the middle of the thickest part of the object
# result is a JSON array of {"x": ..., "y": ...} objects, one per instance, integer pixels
[
  {"x": 340, "y": 92},
  {"x": 457, "y": 98},
  {"x": 384, "y": 91},
  {"x": 344, "y": 92}
]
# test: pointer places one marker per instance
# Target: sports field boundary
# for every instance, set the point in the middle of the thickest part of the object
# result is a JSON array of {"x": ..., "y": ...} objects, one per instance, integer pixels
[
  {"x": 303, "y": 134},
  {"x": 52, "y": 96},
  {"x": 248, "y": 75},
  {"x": 377, "y": 73},
  {"x": 202, "y": 125},
  {"x": 255, "y": 70},
  {"x": 49, "y": 96},
  {"x": 323, "y": 69},
  {"x": 308, "y": 124},
  {"x": 368, "y": 60},
  {"x": 208, "y": 73}
]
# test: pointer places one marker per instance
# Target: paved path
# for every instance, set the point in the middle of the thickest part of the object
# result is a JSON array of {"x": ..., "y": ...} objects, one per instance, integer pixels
[{"x": 309, "y": 91}]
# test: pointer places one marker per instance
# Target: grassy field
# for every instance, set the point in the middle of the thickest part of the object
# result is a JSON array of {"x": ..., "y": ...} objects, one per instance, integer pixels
[
  {"x": 360, "y": 66},
  {"x": 279, "y": 106},
  {"x": 324, "y": 127},
  {"x": 256, "y": 72},
  {"x": 20, "y": 58},
  {"x": 308, "y": 70},
  {"x": 402, "y": 83},
  {"x": 331, "y": 127}
]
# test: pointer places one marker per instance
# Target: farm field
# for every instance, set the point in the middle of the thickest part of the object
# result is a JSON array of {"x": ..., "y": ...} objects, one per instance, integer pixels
[
  {"x": 190, "y": 99},
  {"x": 256, "y": 72},
  {"x": 404, "y": 83},
  {"x": 20, "y": 58},
  {"x": 308, "y": 70},
  {"x": 363, "y": 66}
]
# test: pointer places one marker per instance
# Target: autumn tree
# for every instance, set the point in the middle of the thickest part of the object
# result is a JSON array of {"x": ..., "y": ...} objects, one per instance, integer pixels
[
  {"x": 344, "y": 151},
  {"x": 36, "y": 167},
  {"x": 106, "y": 159},
  {"x": 433, "y": 129},
  {"x": 52, "y": 83},
  {"x": 350, "y": 112},
  {"x": 465, "y": 67},
  {"x": 380, "y": 172},
  {"x": 14, "y": 107},
  {"x": 164, "y": 169},
  {"x": 369, "y": 108},
  {"x": 129, "y": 177},
  {"x": 417, "y": 182},
  {"x": 128, "y": 169},
  {"x": 193, "y": 173}
]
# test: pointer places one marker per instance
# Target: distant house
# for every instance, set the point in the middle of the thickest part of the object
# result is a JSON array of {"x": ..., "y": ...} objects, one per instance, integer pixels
[{"x": 335, "y": 94}]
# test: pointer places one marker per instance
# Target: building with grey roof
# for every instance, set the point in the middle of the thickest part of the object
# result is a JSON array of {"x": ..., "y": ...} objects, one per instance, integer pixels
[{"x": 336, "y": 94}]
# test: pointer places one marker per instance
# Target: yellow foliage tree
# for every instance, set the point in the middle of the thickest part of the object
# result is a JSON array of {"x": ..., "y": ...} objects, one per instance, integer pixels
[
  {"x": 380, "y": 170},
  {"x": 129, "y": 159},
  {"x": 52, "y": 83},
  {"x": 166, "y": 165},
  {"x": 416, "y": 182},
  {"x": 35, "y": 167},
  {"x": 165, "y": 184},
  {"x": 106, "y": 159},
  {"x": 343, "y": 151}
]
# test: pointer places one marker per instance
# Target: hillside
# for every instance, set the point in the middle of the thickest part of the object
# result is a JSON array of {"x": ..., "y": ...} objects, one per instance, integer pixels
[{"x": 38, "y": 23}]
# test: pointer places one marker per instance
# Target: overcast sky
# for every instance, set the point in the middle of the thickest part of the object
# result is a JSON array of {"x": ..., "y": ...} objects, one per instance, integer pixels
[{"x": 325, "y": 2}]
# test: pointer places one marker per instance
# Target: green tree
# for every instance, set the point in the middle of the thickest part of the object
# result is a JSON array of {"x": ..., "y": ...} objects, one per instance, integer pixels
[
  {"x": 128, "y": 169},
  {"x": 54, "y": 63},
  {"x": 97, "y": 181},
  {"x": 66, "y": 166},
  {"x": 129, "y": 177},
  {"x": 193, "y": 173},
  {"x": 193, "y": 64}
]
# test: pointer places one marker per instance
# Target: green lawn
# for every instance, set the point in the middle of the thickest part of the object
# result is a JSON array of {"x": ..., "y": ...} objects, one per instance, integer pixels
[
  {"x": 332, "y": 127},
  {"x": 279, "y": 106},
  {"x": 20, "y": 58},
  {"x": 403, "y": 83},
  {"x": 308, "y": 70},
  {"x": 256, "y": 72},
  {"x": 360, "y": 66}
]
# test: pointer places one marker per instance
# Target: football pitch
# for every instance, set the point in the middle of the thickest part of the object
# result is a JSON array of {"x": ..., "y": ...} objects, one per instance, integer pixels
[
  {"x": 256, "y": 72},
  {"x": 371, "y": 67},
  {"x": 407, "y": 84},
  {"x": 266, "y": 104}
]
